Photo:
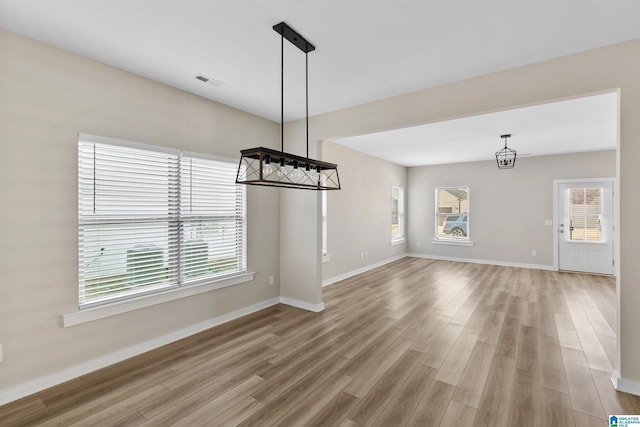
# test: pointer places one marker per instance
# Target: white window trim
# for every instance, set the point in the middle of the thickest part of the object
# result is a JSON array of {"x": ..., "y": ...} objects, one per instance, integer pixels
[
  {"x": 108, "y": 309},
  {"x": 324, "y": 219},
  {"x": 454, "y": 241},
  {"x": 401, "y": 239},
  {"x": 124, "y": 306}
]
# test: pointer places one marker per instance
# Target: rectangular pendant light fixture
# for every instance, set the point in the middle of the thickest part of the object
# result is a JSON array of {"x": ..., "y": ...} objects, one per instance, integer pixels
[
  {"x": 273, "y": 168},
  {"x": 264, "y": 166}
]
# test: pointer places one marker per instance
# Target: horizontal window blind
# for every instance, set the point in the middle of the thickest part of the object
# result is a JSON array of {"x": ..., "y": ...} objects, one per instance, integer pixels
[
  {"x": 150, "y": 220},
  {"x": 213, "y": 219}
]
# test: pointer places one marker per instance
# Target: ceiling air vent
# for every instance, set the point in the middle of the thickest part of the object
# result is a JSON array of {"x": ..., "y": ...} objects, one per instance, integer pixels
[{"x": 209, "y": 80}]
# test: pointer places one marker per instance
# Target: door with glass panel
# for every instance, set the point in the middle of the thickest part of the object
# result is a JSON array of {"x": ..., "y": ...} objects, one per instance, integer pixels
[{"x": 585, "y": 226}]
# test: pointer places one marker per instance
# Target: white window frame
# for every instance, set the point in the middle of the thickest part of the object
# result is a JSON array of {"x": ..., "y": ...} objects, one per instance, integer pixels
[
  {"x": 325, "y": 227},
  {"x": 451, "y": 240},
  {"x": 180, "y": 286},
  {"x": 400, "y": 238}
]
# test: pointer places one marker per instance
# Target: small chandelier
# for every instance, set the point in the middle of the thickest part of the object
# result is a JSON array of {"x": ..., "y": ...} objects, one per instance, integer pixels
[
  {"x": 506, "y": 158},
  {"x": 273, "y": 168}
]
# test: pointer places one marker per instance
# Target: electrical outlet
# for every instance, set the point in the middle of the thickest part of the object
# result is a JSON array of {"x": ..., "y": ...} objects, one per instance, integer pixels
[
  {"x": 548, "y": 222},
  {"x": 272, "y": 280},
  {"x": 418, "y": 244},
  {"x": 534, "y": 252},
  {"x": 0, "y": 352}
]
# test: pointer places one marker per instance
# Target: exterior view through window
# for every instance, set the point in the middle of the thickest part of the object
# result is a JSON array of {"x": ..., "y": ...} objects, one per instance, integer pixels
[
  {"x": 452, "y": 213},
  {"x": 152, "y": 219},
  {"x": 397, "y": 214},
  {"x": 585, "y": 214}
]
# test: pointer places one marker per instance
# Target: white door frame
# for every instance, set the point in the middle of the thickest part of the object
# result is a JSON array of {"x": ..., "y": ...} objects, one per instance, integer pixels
[{"x": 556, "y": 184}]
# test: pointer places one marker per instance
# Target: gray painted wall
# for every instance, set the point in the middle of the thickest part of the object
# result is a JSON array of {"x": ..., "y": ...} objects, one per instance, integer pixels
[
  {"x": 47, "y": 97},
  {"x": 359, "y": 216},
  {"x": 508, "y": 208}
]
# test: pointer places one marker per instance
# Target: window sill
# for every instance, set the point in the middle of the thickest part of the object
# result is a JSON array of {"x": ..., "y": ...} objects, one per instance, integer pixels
[
  {"x": 326, "y": 258},
  {"x": 113, "y": 309},
  {"x": 398, "y": 242},
  {"x": 452, "y": 242}
]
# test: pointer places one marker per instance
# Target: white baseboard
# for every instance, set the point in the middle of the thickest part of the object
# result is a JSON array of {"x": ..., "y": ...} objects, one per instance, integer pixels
[
  {"x": 484, "y": 261},
  {"x": 301, "y": 304},
  {"x": 625, "y": 385},
  {"x": 352, "y": 273},
  {"x": 427, "y": 256},
  {"x": 22, "y": 390}
]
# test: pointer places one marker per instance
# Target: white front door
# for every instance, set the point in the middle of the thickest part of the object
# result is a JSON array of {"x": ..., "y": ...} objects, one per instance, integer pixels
[{"x": 585, "y": 226}]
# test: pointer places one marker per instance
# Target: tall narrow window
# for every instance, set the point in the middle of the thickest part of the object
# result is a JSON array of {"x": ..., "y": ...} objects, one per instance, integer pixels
[
  {"x": 151, "y": 219},
  {"x": 452, "y": 213},
  {"x": 397, "y": 214},
  {"x": 325, "y": 250}
]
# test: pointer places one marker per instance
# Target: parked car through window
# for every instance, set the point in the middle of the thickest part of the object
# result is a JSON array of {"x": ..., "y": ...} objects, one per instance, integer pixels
[{"x": 455, "y": 225}]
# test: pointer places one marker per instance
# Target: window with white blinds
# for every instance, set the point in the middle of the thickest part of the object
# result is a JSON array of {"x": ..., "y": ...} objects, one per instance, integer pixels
[{"x": 151, "y": 219}]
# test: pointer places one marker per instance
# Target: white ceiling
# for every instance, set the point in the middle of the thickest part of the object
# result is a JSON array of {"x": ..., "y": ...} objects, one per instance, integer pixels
[
  {"x": 366, "y": 49},
  {"x": 576, "y": 125}
]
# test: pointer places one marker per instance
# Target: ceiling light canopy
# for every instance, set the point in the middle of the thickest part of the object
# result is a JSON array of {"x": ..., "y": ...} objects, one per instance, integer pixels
[
  {"x": 506, "y": 158},
  {"x": 268, "y": 167}
]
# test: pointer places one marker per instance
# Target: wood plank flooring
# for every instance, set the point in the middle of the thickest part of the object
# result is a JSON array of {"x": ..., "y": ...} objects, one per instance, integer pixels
[{"x": 414, "y": 343}]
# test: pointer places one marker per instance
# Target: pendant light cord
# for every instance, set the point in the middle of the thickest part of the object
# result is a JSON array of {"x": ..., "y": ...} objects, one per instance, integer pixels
[
  {"x": 282, "y": 93},
  {"x": 306, "y": 61}
]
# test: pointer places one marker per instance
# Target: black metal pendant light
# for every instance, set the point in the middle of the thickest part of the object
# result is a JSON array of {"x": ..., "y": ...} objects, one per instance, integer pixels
[
  {"x": 273, "y": 168},
  {"x": 506, "y": 158}
]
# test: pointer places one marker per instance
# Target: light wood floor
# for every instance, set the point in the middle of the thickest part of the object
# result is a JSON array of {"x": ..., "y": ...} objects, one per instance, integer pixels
[{"x": 417, "y": 342}]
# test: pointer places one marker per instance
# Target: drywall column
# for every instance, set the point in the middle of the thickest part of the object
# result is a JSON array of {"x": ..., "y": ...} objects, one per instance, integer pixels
[
  {"x": 300, "y": 241},
  {"x": 628, "y": 228}
]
